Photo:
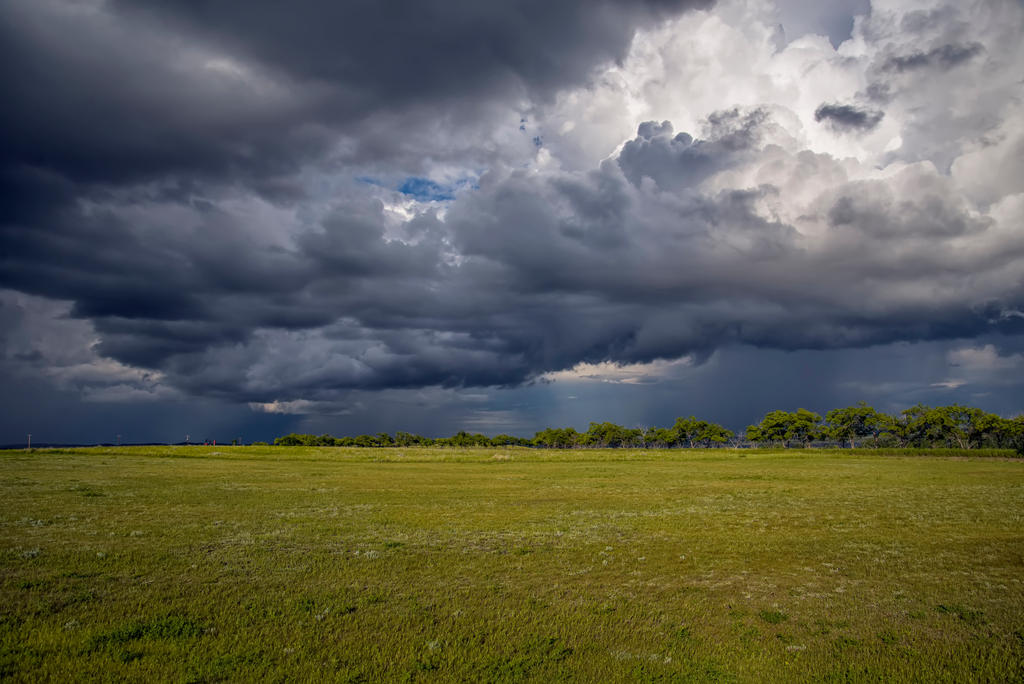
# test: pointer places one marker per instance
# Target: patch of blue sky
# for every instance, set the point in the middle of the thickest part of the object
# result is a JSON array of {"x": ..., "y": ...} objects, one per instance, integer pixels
[
  {"x": 423, "y": 189},
  {"x": 426, "y": 190}
]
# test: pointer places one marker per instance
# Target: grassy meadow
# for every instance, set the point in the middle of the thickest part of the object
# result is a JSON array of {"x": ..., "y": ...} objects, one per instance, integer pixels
[{"x": 248, "y": 563}]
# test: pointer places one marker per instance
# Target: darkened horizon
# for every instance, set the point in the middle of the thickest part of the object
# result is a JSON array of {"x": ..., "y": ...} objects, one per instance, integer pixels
[{"x": 242, "y": 220}]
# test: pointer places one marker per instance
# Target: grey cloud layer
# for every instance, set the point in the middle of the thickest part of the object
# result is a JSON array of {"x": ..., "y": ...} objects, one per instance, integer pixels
[
  {"x": 195, "y": 92},
  {"x": 553, "y": 269},
  {"x": 141, "y": 204}
]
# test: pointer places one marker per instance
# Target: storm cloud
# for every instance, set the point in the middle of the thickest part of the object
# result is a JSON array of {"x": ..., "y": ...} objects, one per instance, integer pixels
[
  {"x": 848, "y": 117},
  {"x": 189, "y": 93},
  {"x": 290, "y": 208},
  {"x": 943, "y": 57}
]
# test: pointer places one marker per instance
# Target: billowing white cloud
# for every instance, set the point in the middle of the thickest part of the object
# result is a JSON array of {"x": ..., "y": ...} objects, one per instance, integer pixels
[{"x": 627, "y": 373}]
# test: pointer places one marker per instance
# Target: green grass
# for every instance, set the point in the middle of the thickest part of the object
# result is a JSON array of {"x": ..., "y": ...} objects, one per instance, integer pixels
[{"x": 247, "y": 563}]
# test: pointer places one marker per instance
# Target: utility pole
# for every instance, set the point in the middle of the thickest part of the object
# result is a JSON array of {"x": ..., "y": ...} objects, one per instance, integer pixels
[{"x": 30, "y": 441}]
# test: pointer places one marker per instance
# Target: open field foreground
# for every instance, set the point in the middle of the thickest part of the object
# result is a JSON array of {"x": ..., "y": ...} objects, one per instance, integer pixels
[{"x": 228, "y": 563}]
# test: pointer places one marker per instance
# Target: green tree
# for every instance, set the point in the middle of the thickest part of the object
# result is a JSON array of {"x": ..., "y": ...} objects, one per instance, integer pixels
[
  {"x": 805, "y": 426},
  {"x": 366, "y": 441},
  {"x": 967, "y": 427},
  {"x": 890, "y": 432},
  {"x": 923, "y": 426},
  {"x": 716, "y": 434},
  {"x": 557, "y": 438},
  {"x": 785, "y": 427},
  {"x": 852, "y": 423},
  {"x": 465, "y": 439},
  {"x": 961, "y": 425},
  {"x": 296, "y": 439},
  {"x": 688, "y": 430},
  {"x": 609, "y": 435},
  {"x": 661, "y": 437},
  {"x": 406, "y": 439},
  {"x": 509, "y": 440},
  {"x": 693, "y": 432},
  {"x": 1015, "y": 433},
  {"x": 772, "y": 428}
]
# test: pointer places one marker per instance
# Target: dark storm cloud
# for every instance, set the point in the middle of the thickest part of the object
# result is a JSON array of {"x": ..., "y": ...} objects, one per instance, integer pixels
[
  {"x": 160, "y": 107},
  {"x": 138, "y": 187},
  {"x": 848, "y": 117},
  {"x": 95, "y": 102},
  {"x": 943, "y": 57},
  {"x": 409, "y": 50},
  {"x": 529, "y": 273},
  {"x": 871, "y": 209},
  {"x": 128, "y": 92}
]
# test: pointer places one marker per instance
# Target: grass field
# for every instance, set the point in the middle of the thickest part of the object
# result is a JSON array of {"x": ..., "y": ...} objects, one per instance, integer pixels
[{"x": 225, "y": 563}]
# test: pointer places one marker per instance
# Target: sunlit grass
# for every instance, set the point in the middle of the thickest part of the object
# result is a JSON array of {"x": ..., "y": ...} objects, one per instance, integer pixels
[{"x": 230, "y": 563}]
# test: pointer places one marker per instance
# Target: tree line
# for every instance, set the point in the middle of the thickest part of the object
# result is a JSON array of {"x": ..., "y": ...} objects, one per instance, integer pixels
[{"x": 955, "y": 426}]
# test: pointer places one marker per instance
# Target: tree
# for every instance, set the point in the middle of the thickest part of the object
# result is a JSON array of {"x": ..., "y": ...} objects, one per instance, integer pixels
[
  {"x": 771, "y": 429},
  {"x": 295, "y": 439},
  {"x": 661, "y": 437},
  {"x": 693, "y": 432},
  {"x": 805, "y": 426},
  {"x": 890, "y": 431},
  {"x": 366, "y": 441},
  {"x": 852, "y": 423},
  {"x": 460, "y": 439},
  {"x": 785, "y": 427},
  {"x": 993, "y": 431},
  {"x": 688, "y": 430},
  {"x": 924, "y": 426},
  {"x": 1015, "y": 433},
  {"x": 464, "y": 439},
  {"x": 713, "y": 433},
  {"x": 509, "y": 440},
  {"x": 406, "y": 439},
  {"x": 961, "y": 425},
  {"x": 558, "y": 438},
  {"x": 604, "y": 435}
]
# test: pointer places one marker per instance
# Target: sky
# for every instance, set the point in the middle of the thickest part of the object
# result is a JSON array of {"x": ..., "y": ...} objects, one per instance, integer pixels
[{"x": 241, "y": 219}]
